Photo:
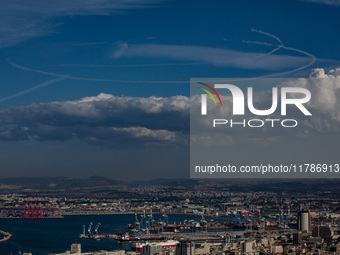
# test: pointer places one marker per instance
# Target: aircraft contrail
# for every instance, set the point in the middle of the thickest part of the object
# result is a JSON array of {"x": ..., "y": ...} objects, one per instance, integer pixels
[
  {"x": 260, "y": 43},
  {"x": 63, "y": 76},
  {"x": 135, "y": 65},
  {"x": 89, "y": 79},
  {"x": 267, "y": 34},
  {"x": 39, "y": 86},
  {"x": 282, "y": 46}
]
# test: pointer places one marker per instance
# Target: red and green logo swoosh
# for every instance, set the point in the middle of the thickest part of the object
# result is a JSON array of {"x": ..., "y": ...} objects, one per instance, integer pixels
[{"x": 209, "y": 93}]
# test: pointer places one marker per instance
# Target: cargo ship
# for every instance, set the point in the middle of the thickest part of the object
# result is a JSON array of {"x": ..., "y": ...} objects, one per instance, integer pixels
[{"x": 138, "y": 247}]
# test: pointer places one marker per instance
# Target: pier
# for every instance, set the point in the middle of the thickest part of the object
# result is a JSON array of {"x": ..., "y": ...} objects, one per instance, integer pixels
[
  {"x": 199, "y": 236},
  {"x": 6, "y": 236}
]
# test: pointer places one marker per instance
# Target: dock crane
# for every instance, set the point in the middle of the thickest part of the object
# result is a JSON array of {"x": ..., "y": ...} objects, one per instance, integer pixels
[
  {"x": 96, "y": 228},
  {"x": 89, "y": 228}
]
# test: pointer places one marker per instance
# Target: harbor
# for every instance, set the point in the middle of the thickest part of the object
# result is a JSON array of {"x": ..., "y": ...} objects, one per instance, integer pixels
[{"x": 159, "y": 228}]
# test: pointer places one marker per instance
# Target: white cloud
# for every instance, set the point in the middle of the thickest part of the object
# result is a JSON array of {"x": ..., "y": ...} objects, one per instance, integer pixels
[
  {"x": 328, "y": 2},
  {"x": 161, "y": 135},
  {"x": 325, "y": 102},
  {"x": 21, "y": 20},
  {"x": 215, "y": 56}
]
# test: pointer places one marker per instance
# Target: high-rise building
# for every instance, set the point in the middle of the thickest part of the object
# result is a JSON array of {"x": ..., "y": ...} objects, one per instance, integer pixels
[
  {"x": 297, "y": 238},
  {"x": 322, "y": 231},
  {"x": 151, "y": 249},
  {"x": 185, "y": 248},
  {"x": 246, "y": 247},
  {"x": 304, "y": 220}
]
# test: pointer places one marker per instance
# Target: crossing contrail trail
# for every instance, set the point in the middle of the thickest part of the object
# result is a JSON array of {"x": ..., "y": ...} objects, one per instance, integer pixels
[
  {"x": 279, "y": 46},
  {"x": 266, "y": 44},
  {"x": 267, "y": 34},
  {"x": 282, "y": 46}
]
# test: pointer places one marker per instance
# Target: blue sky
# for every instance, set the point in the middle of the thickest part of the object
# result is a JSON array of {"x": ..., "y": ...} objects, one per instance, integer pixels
[{"x": 62, "y": 51}]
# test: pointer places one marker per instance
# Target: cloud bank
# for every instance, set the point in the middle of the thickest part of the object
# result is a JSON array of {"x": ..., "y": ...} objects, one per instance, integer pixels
[
  {"x": 104, "y": 120},
  {"x": 124, "y": 122}
]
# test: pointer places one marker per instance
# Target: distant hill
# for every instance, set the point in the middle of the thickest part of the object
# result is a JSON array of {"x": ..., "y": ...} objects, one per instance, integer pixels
[{"x": 100, "y": 184}]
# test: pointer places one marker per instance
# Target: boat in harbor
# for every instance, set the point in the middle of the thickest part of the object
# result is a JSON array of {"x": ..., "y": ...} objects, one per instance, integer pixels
[{"x": 138, "y": 247}]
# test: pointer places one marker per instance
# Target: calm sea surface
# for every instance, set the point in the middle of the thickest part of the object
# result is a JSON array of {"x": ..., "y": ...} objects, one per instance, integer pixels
[{"x": 43, "y": 236}]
